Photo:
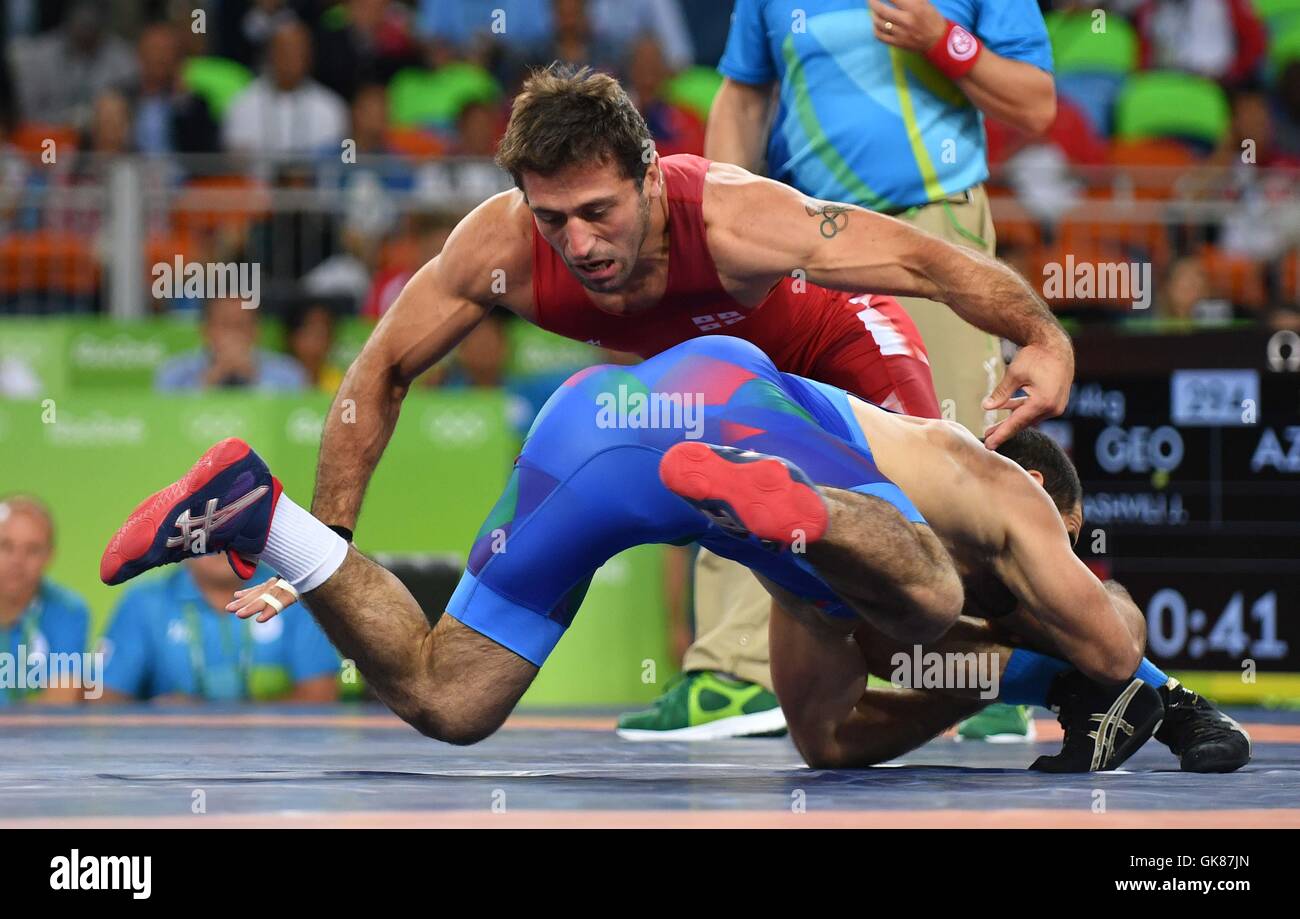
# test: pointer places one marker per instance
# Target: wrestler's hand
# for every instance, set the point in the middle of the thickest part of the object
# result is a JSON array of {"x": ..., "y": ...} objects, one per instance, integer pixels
[
  {"x": 265, "y": 601},
  {"x": 1044, "y": 371}
]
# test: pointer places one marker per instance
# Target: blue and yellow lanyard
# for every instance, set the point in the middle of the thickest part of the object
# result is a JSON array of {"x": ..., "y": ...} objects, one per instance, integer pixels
[
  {"x": 198, "y": 659},
  {"x": 29, "y": 618}
]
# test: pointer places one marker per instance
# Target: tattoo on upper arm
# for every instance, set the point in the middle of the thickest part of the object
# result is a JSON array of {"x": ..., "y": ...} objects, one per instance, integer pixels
[{"x": 835, "y": 217}]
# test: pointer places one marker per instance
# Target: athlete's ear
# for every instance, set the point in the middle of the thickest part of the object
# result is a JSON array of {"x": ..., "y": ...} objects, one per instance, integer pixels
[
  {"x": 654, "y": 176},
  {"x": 1036, "y": 476}
]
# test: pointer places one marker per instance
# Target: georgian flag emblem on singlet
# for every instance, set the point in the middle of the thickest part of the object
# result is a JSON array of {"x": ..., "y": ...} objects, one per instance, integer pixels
[{"x": 961, "y": 44}]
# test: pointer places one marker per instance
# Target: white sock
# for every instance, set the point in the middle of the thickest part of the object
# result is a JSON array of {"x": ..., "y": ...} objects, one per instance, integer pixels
[{"x": 304, "y": 551}]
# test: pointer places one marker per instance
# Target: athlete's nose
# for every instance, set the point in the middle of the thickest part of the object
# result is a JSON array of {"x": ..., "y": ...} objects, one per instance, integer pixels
[{"x": 580, "y": 240}]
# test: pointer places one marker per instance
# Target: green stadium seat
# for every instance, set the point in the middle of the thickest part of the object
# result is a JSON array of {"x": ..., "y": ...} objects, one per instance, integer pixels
[
  {"x": 1277, "y": 14},
  {"x": 417, "y": 96},
  {"x": 1164, "y": 103},
  {"x": 693, "y": 89},
  {"x": 1284, "y": 47},
  {"x": 1076, "y": 48},
  {"x": 217, "y": 79}
]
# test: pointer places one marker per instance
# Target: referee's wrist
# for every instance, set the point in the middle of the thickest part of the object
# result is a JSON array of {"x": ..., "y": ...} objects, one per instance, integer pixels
[{"x": 956, "y": 51}]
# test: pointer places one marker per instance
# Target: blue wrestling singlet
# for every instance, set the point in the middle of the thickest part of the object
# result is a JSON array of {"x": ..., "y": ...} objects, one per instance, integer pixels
[{"x": 586, "y": 485}]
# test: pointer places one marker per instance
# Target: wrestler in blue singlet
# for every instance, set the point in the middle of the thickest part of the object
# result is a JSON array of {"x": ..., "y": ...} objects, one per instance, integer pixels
[{"x": 586, "y": 485}]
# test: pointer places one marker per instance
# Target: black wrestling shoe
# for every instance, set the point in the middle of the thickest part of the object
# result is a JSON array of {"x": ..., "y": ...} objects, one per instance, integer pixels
[
  {"x": 1103, "y": 727},
  {"x": 1203, "y": 738}
]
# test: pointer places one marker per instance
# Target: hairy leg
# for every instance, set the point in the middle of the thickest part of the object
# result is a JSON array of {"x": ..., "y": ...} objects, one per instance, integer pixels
[
  {"x": 894, "y": 573},
  {"x": 835, "y": 721},
  {"x": 449, "y": 682}
]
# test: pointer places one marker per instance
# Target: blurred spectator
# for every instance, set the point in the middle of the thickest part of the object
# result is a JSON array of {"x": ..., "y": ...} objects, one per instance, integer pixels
[
  {"x": 37, "y": 616},
  {"x": 107, "y": 135},
  {"x": 171, "y": 640},
  {"x": 295, "y": 238},
  {"x": 619, "y": 23},
  {"x": 14, "y": 168},
  {"x": 284, "y": 111},
  {"x": 595, "y": 32},
  {"x": 59, "y": 74},
  {"x": 522, "y": 23},
  {"x": 369, "y": 185},
  {"x": 480, "y": 360},
  {"x": 1187, "y": 295},
  {"x": 707, "y": 24},
  {"x": 574, "y": 40},
  {"x": 309, "y": 338},
  {"x": 674, "y": 129},
  {"x": 244, "y": 27},
  {"x": 370, "y": 120},
  {"x": 363, "y": 40},
  {"x": 168, "y": 118},
  {"x": 424, "y": 239},
  {"x": 110, "y": 125},
  {"x": 230, "y": 356},
  {"x": 479, "y": 127},
  {"x": 1220, "y": 39},
  {"x": 1248, "y": 169}
]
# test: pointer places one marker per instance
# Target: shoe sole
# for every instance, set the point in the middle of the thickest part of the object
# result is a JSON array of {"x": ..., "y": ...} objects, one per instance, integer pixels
[
  {"x": 135, "y": 538},
  {"x": 735, "y": 726},
  {"x": 760, "y": 494}
]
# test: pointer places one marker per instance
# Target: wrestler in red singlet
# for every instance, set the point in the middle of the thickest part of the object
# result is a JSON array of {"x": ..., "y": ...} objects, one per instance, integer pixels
[{"x": 863, "y": 343}]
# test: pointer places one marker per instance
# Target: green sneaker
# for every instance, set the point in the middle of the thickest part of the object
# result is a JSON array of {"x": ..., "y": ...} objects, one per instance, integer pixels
[
  {"x": 999, "y": 723},
  {"x": 703, "y": 705}
]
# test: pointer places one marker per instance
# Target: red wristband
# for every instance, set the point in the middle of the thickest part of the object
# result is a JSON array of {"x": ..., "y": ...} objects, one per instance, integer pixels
[{"x": 956, "y": 52}]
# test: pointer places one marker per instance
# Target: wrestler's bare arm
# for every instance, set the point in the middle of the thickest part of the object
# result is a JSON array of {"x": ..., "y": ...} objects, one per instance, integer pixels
[
  {"x": 1090, "y": 625},
  {"x": 487, "y": 261},
  {"x": 760, "y": 231},
  {"x": 761, "y": 227}
]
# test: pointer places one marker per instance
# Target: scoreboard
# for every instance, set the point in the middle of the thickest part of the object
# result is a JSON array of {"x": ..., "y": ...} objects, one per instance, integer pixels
[{"x": 1188, "y": 447}]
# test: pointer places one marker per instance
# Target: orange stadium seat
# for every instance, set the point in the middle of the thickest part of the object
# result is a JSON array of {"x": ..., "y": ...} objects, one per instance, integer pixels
[
  {"x": 1289, "y": 278},
  {"x": 164, "y": 247},
  {"x": 1099, "y": 222},
  {"x": 1154, "y": 165},
  {"x": 55, "y": 262},
  {"x": 216, "y": 203},
  {"x": 30, "y": 138},
  {"x": 1062, "y": 257},
  {"x": 1236, "y": 277},
  {"x": 1015, "y": 227},
  {"x": 415, "y": 143}
]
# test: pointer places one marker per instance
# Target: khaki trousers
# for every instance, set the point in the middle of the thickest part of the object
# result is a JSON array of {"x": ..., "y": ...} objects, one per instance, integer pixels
[{"x": 731, "y": 606}]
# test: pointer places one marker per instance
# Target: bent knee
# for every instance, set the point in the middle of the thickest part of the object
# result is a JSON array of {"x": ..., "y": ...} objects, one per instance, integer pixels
[
  {"x": 935, "y": 608},
  {"x": 825, "y": 753},
  {"x": 450, "y": 724}
]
